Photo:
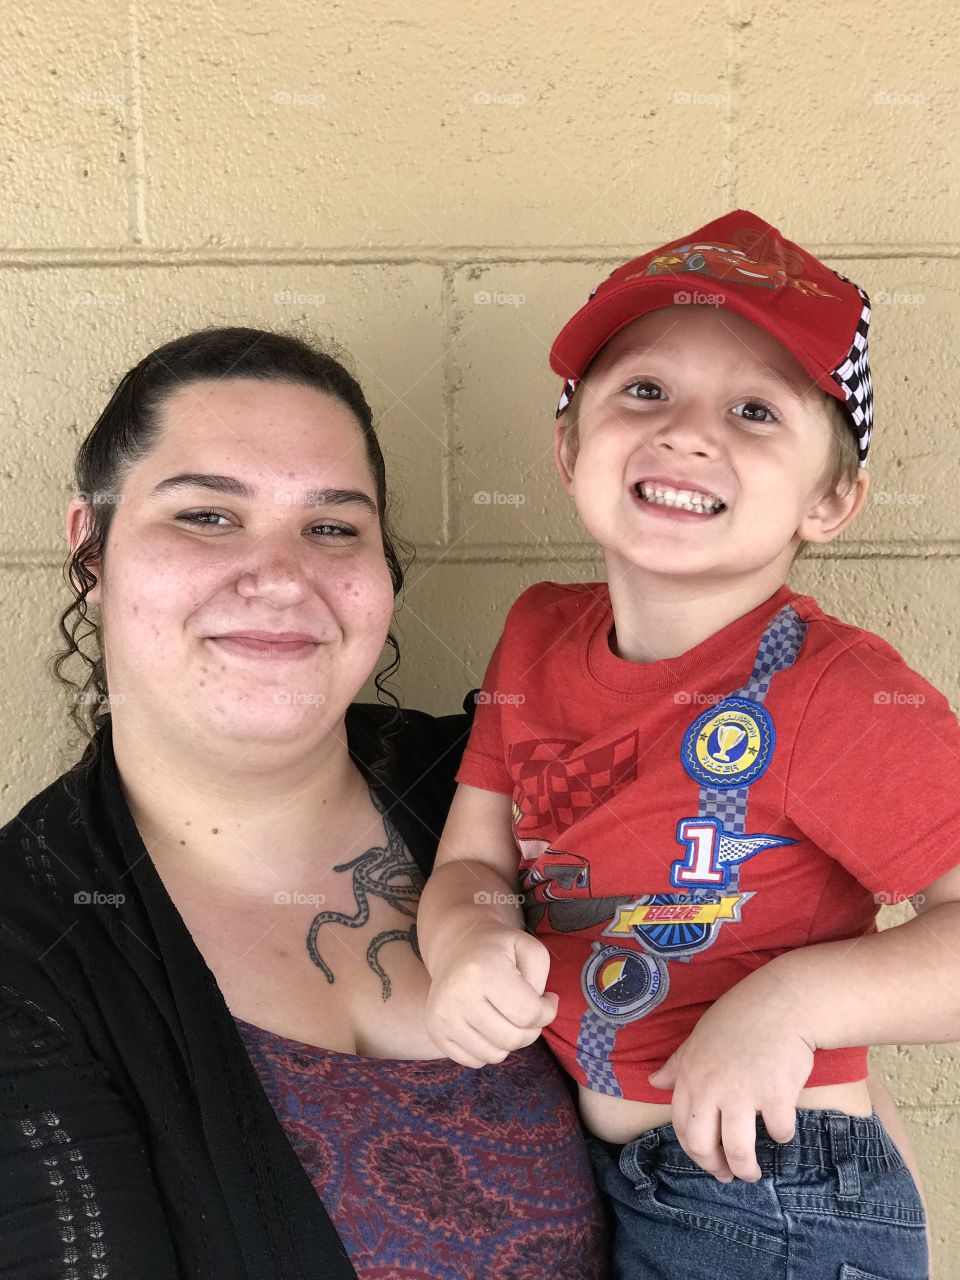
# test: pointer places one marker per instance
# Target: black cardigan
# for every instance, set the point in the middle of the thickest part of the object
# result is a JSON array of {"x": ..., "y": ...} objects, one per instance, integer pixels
[{"x": 136, "y": 1142}]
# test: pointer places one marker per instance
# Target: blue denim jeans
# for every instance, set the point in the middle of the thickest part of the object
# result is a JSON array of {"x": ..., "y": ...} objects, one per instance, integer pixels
[{"x": 834, "y": 1203}]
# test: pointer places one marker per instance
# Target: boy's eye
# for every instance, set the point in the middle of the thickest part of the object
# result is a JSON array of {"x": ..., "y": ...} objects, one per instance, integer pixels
[
  {"x": 641, "y": 390},
  {"x": 754, "y": 411}
]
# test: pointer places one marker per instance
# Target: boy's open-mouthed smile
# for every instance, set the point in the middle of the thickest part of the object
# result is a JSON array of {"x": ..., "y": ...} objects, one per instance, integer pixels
[{"x": 677, "y": 500}]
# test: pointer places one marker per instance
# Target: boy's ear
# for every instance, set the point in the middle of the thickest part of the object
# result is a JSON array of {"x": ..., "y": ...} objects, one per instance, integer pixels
[
  {"x": 830, "y": 514},
  {"x": 79, "y": 527},
  {"x": 561, "y": 455}
]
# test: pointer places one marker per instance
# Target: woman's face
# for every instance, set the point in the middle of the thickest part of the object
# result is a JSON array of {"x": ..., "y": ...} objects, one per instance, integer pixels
[{"x": 255, "y": 512}]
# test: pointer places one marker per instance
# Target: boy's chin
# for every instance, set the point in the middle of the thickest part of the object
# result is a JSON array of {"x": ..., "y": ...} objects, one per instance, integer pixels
[{"x": 662, "y": 562}]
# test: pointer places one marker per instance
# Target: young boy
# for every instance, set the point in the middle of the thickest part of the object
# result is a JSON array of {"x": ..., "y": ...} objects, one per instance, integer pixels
[{"x": 708, "y": 786}]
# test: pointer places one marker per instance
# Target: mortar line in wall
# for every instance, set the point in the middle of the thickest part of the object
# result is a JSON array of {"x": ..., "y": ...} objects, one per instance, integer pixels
[
  {"x": 447, "y": 418},
  {"x": 137, "y": 213},
  {"x": 729, "y": 122},
  {"x": 522, "y": 553},
  {"x": 575, "y": 552},
  {"x": 456, "y": 257}
]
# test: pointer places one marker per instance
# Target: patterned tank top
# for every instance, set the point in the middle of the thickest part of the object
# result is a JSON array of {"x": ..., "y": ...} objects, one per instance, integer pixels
[{"x": 433, "y": 1171}]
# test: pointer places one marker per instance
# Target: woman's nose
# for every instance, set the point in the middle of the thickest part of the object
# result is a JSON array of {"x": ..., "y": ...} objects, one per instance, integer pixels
[{"x": 275, "y": 574}]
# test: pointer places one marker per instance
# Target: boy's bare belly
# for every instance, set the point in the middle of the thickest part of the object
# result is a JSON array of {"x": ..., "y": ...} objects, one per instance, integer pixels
[{"x": 620, "y": 1120}]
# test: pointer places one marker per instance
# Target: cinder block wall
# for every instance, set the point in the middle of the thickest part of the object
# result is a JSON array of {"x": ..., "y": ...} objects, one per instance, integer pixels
[{"x": 435, "y": 187}]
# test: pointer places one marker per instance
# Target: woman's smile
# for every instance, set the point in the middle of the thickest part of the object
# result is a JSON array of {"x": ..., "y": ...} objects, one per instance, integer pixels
[{"x": 245, "y": 646}]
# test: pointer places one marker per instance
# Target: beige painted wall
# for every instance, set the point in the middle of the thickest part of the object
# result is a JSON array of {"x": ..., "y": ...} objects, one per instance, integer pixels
[{"x": 437, "y": 186}]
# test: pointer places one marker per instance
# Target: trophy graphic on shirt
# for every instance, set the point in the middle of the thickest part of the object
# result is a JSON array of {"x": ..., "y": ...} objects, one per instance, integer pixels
[{"x": 728, "y": 737}]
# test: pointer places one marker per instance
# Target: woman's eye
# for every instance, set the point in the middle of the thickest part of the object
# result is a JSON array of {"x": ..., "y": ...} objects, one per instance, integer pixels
[
  {"x": 208, "y": 519},
  {"x": 335, "y": 530},
  {"x": 753, "y": 411},
  {"x": 204, "y": 518},
  {"x": 642, "y": 390}
]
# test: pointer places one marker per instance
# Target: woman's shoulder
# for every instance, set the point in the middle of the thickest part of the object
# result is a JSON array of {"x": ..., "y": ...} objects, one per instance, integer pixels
[
  {"x": 35, "y": 835},
  {"x": 435, "y": 742}
]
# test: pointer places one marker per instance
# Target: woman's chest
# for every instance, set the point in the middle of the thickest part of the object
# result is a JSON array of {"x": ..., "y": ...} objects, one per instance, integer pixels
[{"x": 336, "y": 965}]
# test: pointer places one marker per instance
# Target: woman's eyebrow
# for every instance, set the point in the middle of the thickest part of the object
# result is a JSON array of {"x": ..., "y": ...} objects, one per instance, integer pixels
[{"x": 238, "y": 489}]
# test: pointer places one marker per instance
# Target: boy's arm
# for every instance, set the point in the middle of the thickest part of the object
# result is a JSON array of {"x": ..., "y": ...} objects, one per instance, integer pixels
[
  {"x": 873, "y": 781},
  {"x": 752, "y": 1051},
  {"x": 488, "y": 974},
  {"x": 474, "y": 879},
  {"x": 900, "y": 986}
]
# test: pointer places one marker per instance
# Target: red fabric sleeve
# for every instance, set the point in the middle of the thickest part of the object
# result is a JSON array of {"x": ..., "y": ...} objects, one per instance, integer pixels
[
  {"x": 875, "y": 774},
  {"x": 483, "y": 763}
]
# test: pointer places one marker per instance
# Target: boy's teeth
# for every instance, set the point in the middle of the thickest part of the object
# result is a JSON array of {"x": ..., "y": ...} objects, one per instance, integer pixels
[{"x": 685, "y": 499}]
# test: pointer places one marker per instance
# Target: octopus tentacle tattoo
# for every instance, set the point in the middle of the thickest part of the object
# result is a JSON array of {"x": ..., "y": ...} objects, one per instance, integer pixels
[{"x": 382, "y": 871}]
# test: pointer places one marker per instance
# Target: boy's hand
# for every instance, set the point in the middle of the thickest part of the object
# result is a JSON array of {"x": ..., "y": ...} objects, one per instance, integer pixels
[
  {"x": 487, "y": 999},
  {"x": 750, "y": 1053}
]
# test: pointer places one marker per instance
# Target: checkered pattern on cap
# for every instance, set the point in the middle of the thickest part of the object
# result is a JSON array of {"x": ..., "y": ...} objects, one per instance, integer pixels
[{"x": 853, "y": 376}]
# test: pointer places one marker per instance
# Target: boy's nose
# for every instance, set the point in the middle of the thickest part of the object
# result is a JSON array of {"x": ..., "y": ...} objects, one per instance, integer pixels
[{"x": 692, "y": 431}]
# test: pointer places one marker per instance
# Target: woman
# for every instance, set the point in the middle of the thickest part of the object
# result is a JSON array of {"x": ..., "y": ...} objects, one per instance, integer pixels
[{"x": 213, "y": 1060}]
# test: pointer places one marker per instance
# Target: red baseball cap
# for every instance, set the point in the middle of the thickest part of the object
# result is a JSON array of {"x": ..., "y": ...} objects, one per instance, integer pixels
[{"x": 742, "y": 264}]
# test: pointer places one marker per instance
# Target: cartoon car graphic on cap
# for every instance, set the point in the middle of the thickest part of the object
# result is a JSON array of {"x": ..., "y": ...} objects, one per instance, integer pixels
[{"x": 726, "y": 262}]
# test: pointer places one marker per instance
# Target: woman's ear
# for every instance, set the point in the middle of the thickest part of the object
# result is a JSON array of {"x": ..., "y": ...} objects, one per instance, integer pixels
[
  {"x": 79, "y": 528},
  {"x": 562, "y": 455},
  {"x": 830, "y": 514}
]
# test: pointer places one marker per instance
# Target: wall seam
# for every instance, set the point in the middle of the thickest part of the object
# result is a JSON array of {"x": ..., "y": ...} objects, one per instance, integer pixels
[
  {"x": 456, "y": 257},
  {"x": 137, "y": 211}
]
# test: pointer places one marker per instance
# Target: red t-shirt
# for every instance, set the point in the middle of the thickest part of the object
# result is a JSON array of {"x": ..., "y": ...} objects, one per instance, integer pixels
[{"x": 682, "y": 822}]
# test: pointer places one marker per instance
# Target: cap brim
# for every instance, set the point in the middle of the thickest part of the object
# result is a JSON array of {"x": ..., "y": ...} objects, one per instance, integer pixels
[{"x": 586, "y": 333}]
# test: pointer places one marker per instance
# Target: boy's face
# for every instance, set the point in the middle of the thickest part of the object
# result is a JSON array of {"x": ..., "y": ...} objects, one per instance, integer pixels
[{"x": 696, "y": 398}]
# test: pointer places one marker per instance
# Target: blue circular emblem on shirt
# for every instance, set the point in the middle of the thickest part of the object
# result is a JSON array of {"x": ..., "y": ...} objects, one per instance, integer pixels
[
  {"x": 623, "y": 985},
  {"x": 729, "y": 745}
]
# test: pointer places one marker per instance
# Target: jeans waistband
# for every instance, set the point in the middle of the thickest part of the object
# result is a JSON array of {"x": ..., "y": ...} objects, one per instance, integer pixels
[{"x": 828, "y": 1140}]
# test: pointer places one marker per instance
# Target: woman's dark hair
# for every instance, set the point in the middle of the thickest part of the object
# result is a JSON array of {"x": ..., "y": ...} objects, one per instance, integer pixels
[{"x": 126, "y": 431}]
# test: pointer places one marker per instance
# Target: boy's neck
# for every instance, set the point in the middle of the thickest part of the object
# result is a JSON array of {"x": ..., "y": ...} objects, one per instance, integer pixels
[{"x": 656, "y": 617}]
